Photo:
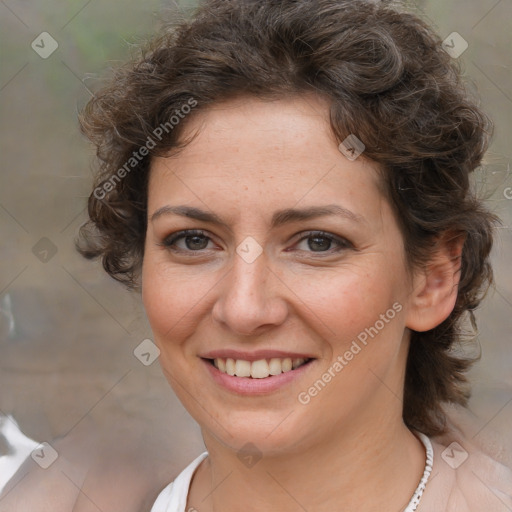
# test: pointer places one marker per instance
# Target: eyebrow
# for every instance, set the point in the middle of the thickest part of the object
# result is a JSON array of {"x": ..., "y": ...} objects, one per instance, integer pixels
[{"x": 279, "y": 218}]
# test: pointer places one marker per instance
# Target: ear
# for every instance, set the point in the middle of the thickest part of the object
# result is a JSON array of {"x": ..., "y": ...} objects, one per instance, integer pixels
[{"x": 436, "y": 286}]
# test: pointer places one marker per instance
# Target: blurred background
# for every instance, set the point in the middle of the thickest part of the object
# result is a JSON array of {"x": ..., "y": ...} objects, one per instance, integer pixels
[{"x": 67, "y": 331}]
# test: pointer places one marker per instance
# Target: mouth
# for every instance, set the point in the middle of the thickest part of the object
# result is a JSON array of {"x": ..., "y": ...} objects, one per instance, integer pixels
[{"x": 258, "y": 369}]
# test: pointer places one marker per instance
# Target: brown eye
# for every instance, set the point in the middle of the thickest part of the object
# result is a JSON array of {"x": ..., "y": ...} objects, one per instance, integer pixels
[
  {"x": 194, "y": 240},
  {"x": 319, "y": 241}
]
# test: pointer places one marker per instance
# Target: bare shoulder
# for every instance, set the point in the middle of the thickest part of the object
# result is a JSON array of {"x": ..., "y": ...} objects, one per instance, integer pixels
[
  {"x": 466, "y": 479},
  {"x": 62, "y": 488},
  {"x": 87, "y": 475},
  {"x": 117, "y": 467},
  {"x": 38, "y": 490}
]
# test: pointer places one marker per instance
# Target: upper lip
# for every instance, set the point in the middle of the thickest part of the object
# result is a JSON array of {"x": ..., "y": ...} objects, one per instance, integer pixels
[{"x": 255, "y": 355}]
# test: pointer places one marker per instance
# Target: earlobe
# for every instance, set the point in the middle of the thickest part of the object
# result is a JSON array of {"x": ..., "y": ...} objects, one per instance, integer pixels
[{"x": 436, "y": 286}]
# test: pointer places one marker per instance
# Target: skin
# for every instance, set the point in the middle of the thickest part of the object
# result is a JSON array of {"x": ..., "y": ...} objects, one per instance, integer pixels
[{"x": 348, "y": 445}]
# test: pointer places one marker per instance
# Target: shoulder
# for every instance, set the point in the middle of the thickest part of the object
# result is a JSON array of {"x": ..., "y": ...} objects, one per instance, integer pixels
[
  {"x": 64, "y": 487},
  {"x": 85, "y": 476},
  {"x": 38, "y": 490},
  {"x": 465, "y": 479},
  {"x": 25, "y": 485}
]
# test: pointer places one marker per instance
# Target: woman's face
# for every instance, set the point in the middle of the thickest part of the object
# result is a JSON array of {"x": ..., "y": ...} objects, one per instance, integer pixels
[{"x": 256, "y": 281}]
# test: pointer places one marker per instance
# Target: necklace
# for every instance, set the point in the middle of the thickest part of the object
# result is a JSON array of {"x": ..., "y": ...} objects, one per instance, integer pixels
[{"x": 415, "y": 500}]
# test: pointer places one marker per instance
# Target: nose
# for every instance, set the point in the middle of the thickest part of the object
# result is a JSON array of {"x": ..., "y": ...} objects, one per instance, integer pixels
[{"x": 250, "y": 299}]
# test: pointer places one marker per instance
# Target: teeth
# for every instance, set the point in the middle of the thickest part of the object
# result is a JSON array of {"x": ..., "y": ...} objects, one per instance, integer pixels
[
  {"x": 220, "y": 364},
  {"x": 242, "y": 368},
  {"x": 257, "y": 369},
  {"x": 286, "y": 365},
  {"x": 230, "y": 366},
  {"x": 297, "y": 362},
  {"x": 275, "y": 366}
]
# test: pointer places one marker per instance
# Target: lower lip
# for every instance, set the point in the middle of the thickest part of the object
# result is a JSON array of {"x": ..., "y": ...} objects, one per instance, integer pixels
[{"x": 250, "y": 386}]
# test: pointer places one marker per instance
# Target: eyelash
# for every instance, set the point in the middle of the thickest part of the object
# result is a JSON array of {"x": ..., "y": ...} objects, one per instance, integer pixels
[{"x": 343, "y": 244}]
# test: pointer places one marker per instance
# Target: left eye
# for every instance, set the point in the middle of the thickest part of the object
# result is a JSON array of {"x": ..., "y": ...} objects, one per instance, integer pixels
[{"x": 318, "y": 241}]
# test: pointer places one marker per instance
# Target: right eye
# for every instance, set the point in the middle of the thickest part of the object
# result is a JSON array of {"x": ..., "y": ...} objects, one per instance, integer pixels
[{"x": 192, "y": 240}]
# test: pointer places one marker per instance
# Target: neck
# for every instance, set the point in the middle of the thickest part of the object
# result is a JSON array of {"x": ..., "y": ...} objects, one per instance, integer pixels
[{"x": 358, "y": 467}]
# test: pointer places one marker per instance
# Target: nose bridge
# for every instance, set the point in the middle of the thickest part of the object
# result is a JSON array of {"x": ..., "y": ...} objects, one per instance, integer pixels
[
  {"x": 250, "y": 278},
  {"x": 249, "y": 297}
]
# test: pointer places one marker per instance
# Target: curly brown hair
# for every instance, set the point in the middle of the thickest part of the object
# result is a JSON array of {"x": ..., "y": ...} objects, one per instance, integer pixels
[{"x": 387, "y": 79}]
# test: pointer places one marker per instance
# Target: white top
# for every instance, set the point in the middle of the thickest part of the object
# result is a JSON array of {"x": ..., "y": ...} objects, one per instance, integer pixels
[{"x": 174, "y": 497}]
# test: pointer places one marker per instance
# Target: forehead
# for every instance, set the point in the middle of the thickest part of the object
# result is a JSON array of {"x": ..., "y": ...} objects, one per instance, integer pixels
[{"x": 254, "y": 150}]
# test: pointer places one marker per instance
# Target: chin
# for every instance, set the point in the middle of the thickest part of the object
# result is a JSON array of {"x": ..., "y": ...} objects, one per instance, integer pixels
[{"x": 248, "y": 432}]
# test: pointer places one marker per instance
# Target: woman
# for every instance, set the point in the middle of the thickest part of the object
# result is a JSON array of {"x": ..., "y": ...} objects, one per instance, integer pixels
[{"x": 287, "y": 184}]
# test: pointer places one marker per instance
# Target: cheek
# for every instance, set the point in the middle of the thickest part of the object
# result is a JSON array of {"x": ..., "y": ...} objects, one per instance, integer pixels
[
  {"x": 347, "y": 301},
  {"x": 166, "y": 297},
  {"x": 364, "y": 347},
  {"x": 174, "y": 298}
]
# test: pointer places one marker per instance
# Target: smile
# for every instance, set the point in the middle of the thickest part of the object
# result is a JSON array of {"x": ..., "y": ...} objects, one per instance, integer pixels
[
  {"x": 260, "y": 369},
  {"x": 261, "y": 381}
]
